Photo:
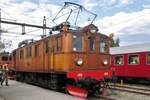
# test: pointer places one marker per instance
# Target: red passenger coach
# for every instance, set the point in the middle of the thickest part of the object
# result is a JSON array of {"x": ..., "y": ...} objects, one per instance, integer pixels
[{"x": 131, "y": 61}]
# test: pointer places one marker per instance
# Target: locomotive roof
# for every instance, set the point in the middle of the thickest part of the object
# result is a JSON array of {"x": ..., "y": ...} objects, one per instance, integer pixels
[
  {"x": 77, "y": 31},
  {"x": 130, "y": 49}
]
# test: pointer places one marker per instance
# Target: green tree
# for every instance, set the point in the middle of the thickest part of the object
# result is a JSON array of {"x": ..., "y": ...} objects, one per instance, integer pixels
[
  {"x": 5, "y": 44},
  {"x": 117, "y": 42},
  {"x": 114, "y": 42}
]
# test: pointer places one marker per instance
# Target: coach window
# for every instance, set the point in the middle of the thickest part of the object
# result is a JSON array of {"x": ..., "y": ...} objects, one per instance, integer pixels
[
  {"x": 91, "y": 44},
  {"x": 21, "y": 54},
  {"x": 58, "y": 43},
  {"x": 148, "y": 59},
  {"x": 102, "y": 46},
  {"x": 77, "y": 43},
  {"x": 133, "y": 59},
  {"x": 37, "y": 50},
  {"x": 118, "y": 60}
]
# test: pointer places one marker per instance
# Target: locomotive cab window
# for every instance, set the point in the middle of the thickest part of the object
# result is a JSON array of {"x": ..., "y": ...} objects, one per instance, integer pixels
[
  {"x": 102, "y": 46},
  {"x": 133, "y": 59},
  {"x": 148, "y": 59},
  {"x": 77, "y": 43},
  {"x": 118, "y": 60},
  {"x": 91, "y": 44}
]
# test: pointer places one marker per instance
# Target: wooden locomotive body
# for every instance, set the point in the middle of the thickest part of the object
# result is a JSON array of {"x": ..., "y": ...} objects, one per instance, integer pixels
[{"x": 65, "y": 58}]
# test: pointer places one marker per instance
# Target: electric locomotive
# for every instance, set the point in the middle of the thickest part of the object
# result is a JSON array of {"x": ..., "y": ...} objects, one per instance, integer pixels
[{"x": 75, "y": 59}]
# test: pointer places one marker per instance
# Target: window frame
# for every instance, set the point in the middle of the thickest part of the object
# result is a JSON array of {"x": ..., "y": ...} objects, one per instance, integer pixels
[
  {"x": 94, "y": 43},
  {"x": 37, "y": 53},
  {"x": 114, "y": 58},
  {"x": 28, "y": 53},
  {"x": 107, "y": 48},
  {"x": 132, "y": 55},
  {"x": 21, "y": 54},
  {"x": 146, "y": 58},
  {"x": 58, "y": 44},
  {"x": 2, "y": 58},
  {"x": 82, "y": 49}
]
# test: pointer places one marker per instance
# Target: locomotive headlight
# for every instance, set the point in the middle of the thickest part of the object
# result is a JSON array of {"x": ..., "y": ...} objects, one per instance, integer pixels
[
  {"x": 79, "y": 62},
  {"x": 105, "y": 62}
]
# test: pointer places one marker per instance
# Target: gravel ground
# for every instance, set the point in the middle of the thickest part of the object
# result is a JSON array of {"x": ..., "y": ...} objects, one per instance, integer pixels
[
  {"x": 22, "y": 91},
  {"x": 1, "y": 98}
]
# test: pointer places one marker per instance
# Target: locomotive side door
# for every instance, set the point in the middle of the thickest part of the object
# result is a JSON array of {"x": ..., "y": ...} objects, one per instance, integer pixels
[
  {"x": 46, "y": 56},
  {"x": 49, "y": 54}
]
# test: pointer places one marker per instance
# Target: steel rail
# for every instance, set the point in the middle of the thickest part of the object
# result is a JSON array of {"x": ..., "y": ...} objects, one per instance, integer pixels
[
  {"x": 131, "y": 91},
  {"x": 129, "y": 87}
]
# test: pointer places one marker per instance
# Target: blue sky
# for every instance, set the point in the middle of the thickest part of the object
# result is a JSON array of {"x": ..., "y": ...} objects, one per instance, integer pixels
[{"x": 127, "y": 19}]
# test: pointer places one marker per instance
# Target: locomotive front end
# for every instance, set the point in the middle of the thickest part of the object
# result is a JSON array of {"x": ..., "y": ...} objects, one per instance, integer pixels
[{"x": 89, "y": 71}]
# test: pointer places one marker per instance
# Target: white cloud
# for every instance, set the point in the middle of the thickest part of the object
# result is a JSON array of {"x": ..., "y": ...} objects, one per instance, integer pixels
[
  {"x": 146, "y": 6},
  {"x": 89, "y": 4},
  {"x": 25, "y": 12},
  {"x": 126, "y": 24},
  {"x": 121, "y": 20},
  {"x": 121, "y": 23},
  {"x": 125, "y": 1}
]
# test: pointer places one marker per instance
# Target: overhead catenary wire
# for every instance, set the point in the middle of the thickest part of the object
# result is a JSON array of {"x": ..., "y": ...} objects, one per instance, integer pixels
[{"x": 17, "y": 33}]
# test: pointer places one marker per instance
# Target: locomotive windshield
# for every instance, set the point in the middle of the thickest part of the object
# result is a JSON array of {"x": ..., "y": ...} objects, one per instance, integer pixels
[
  {"x": 91, "y": 44},
  {"x": 77, "y": 43},
  {"x": 102, "y": 46}
]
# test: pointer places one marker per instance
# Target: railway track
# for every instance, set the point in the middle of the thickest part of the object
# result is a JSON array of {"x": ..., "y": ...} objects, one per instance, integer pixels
[
  {"x": 100, "y": 97},
  {"x": 130, "y": 89}
]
